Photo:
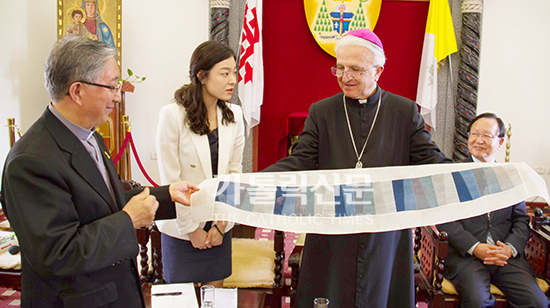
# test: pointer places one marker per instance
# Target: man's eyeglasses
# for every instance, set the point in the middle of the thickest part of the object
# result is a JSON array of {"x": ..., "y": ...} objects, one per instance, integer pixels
[
  {"x": 114, "y": 88},
  {"x": 486, "y": 137},
  {"x": 339, "y": 72}
]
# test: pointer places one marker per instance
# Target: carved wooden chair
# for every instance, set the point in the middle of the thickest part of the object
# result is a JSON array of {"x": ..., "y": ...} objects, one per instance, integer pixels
[
  {"x": 149, "y": 271},
  {"x": 431, "y": 249},
  {"x": 251, "y": 255}
]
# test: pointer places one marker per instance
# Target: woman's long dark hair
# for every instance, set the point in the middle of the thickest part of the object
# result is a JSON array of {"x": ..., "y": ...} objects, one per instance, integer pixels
[{"x": 205, "y": 56}]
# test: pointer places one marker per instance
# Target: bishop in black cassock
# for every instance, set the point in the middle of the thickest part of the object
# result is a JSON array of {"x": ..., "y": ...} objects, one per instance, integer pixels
[{"x": 368, "y": 269}]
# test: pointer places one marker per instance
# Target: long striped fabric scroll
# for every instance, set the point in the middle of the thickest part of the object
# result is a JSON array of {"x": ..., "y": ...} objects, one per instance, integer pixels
[{"x": 365, "y": 200}]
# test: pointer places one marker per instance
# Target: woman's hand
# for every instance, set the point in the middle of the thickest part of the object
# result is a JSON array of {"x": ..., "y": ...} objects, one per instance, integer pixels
[
  {"x": 216, "y": 233},
  {"x": 199, "y": 239}
]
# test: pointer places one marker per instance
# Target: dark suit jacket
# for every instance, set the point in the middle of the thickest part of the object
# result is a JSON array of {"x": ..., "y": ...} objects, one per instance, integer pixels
[
  {"x": 78, "y": 248},
  {"x": 508, "y": 225}
]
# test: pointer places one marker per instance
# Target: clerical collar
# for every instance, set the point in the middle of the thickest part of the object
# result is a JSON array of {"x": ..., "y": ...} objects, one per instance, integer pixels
[
  {"x": 79, "y": 131},
  {"x": 373, "y": 99}
]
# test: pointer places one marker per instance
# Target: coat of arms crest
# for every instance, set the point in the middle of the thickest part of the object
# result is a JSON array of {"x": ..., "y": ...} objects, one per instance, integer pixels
[{"x": 329, "y": 20}]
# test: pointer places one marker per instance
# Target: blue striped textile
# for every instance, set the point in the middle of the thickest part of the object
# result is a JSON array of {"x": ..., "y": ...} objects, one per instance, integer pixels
[{"x": 368, "y": 198}]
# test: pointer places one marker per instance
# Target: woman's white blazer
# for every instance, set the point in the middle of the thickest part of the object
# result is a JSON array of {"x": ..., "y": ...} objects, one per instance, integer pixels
[{"x": 184, "y": 155}]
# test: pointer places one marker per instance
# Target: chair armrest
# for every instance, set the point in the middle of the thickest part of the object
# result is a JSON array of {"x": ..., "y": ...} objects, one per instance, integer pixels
[
  {"x": 537, "y": 248},
  {"x": 295, "y": 258},
  {"x": 143, "y": 235},
  {"x": 434, "y": 250},
  {"x": 279, "y": 247},
  {"x": 130, "y": 184},
  {"x": 294, "y": 262},
  {"x": 431, "y": 249},
  {"x": 157, "y": 276}
]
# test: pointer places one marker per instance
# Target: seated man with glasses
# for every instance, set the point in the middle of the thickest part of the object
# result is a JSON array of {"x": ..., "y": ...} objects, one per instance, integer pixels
[{"x": 490, "y": 248}]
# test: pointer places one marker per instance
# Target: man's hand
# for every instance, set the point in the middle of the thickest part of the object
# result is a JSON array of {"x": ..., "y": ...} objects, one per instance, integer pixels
[
  {"x": 142, "y": 208},
  {"x": 198, "y": 239},
  {"x": 493, "y": 254},
  {"x": 500, "y": 255},
  {"x": 482, "y": 250},
  {"x": 181, "y": 192}
]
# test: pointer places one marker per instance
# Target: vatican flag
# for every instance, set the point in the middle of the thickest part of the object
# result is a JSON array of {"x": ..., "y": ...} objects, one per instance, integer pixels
[{"x": 439, "y": 42}]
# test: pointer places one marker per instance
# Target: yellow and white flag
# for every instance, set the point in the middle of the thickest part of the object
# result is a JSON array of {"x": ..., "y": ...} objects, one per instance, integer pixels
[{"x": 439, "y": 42}]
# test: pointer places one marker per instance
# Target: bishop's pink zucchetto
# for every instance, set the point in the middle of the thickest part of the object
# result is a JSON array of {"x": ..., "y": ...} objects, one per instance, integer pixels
[{"x": 367, "y": 35}]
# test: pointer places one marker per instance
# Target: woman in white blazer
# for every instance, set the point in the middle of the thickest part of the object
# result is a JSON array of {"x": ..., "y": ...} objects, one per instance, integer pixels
[{"x": 200, "y": 136}]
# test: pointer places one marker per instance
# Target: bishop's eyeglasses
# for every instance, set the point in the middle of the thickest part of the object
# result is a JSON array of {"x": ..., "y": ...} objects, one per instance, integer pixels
[{"x": 339, "y": 72}]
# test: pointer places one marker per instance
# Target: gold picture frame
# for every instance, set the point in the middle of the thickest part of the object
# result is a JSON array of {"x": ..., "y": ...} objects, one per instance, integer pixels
[{"x": 99, "y": 20}]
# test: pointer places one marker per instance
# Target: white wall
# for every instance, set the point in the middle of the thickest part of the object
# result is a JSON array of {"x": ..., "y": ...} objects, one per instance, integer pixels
[
  {"x": 515, "y": 77},
  {"x": 158, "y": 38},
  {"x": 27, "y": 31}
]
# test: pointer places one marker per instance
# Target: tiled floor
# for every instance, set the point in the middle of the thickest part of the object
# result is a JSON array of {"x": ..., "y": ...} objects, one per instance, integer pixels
[{"x": 9, "y": 298}]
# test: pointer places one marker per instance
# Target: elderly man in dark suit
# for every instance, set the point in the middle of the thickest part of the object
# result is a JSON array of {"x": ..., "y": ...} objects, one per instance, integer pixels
[
  {"x": 490, "y": 248},
  {"x": 63, "y": 197}
]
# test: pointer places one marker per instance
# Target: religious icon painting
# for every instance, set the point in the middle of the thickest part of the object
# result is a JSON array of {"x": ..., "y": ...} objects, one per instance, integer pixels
[
  {"x": 96, "y": 19},
  {"x": 329, "y": 20},
  {"x": 99, "y": 20}
]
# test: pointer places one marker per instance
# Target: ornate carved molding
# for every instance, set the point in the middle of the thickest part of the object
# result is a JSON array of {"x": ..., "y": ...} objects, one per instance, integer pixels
[
  {"x": 219, "y": 22},
  {"x": 472, "y": 6},
  {"x": 466, "y": 98}
]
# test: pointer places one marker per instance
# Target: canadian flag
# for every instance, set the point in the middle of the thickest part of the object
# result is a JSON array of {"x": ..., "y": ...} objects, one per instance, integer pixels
[{"x": 251, "y": 64}]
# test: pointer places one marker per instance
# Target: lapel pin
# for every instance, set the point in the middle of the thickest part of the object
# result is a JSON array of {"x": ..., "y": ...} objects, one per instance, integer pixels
[{"x": 107, "y": 154}]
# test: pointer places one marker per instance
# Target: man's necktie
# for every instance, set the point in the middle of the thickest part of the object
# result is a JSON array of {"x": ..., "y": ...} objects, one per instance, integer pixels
[{"x": 489, "y": 239}]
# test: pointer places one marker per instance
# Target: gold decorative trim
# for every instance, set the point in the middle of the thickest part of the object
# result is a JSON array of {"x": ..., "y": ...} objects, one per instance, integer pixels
[
  {"x": 219, "y": 4},
  {"x": 472, "y": 6},
  {"x": 508, "y": 143}
]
